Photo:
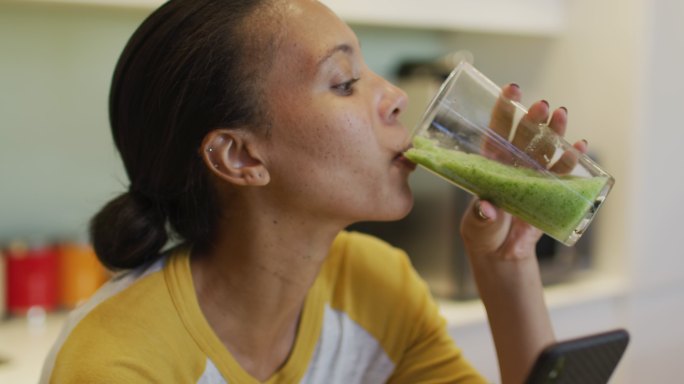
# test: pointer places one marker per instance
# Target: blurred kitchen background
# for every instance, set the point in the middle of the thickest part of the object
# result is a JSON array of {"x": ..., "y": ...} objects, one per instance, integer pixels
[{"x": 615, "y": 64}]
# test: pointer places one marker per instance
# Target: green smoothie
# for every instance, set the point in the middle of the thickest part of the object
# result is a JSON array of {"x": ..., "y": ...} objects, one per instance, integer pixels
[{"x": 553, "y": 204}]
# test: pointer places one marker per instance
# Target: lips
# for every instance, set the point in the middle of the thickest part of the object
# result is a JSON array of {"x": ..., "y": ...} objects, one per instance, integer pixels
[{"x": 403, "y": 161}]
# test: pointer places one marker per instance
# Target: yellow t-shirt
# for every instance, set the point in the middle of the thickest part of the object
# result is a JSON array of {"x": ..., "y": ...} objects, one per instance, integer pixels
[{"x": 368, "y": 318}]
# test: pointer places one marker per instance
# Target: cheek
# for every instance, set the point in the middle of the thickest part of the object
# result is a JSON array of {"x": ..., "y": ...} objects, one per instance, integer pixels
[
  {"x": 353, "y": 150},
  {"x": 338, "y": 138},
  {"x": 323, "y": 138}
]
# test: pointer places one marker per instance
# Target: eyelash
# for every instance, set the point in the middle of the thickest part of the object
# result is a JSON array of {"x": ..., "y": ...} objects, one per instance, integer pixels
[{"x": 346, "y": 88}]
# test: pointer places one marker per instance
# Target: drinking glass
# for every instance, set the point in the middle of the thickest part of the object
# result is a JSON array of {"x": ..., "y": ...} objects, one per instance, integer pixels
[{"x": 478, "y": 140}]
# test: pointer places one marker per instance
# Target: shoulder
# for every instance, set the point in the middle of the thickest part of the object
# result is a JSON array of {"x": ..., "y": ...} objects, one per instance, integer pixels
[
  {"x": 369, "y": 271},
  {"x": 365, "y": 264},
  {"x": 376, "y": 286},
  {"x": 368, "y": 256},
  {"x": 130, "y": 331}
]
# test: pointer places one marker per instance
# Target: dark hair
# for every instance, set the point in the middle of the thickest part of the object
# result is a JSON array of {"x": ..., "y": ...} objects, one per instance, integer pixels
[{"x": 189, "y": 68}]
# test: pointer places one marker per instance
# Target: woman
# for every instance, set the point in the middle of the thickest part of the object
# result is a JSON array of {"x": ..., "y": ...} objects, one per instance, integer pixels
[{"x": 253, "y": 133}]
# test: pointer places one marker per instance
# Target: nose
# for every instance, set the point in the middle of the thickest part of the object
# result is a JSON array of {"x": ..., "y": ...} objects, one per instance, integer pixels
[{"x": 393, "y": 102}]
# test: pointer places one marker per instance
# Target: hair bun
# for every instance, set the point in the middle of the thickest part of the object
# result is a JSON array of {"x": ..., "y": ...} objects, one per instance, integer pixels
[{"x": 128, "y": 232}]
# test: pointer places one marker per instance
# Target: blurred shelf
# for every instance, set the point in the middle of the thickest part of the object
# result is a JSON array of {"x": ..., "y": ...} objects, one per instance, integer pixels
[
  {"x": 524, "y": 17},
  {"x": 520, "y": 17},
  {"x": 591, "y": 288},
  {"x": 138, "y": 4}
]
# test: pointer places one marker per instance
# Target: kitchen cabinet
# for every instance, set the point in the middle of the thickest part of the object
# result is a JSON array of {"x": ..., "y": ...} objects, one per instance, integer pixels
[
  {"x": 524, "y": 17},
  {"x": 527, "y": 17}
]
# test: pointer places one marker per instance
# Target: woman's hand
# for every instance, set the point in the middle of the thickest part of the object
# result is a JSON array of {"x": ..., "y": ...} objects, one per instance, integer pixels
[
  {"x": 501, "y": 249},
  {"x": 489, "y": 231},
  {"x": 492, "y": 235}
]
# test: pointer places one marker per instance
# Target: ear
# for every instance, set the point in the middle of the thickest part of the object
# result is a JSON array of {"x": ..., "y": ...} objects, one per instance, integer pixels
[{"x": 230, "y": 155}]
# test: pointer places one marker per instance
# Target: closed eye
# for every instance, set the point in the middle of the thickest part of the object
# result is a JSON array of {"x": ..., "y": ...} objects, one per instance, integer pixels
[{"x": 346, "y": 88}]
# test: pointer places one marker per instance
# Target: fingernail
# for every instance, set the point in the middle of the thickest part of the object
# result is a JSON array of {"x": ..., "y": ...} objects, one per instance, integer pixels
[
  {"x": 545, "y": 102},
  {"x": 514, "y": 85},
  {"x": 478, "y": 211},
  {"x": 585, "y": 142},
  {"x": 565, "y": 109}
]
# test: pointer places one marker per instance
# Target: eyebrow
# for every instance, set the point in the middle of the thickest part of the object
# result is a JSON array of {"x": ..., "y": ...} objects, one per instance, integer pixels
[{"x": 345, "y": 48}]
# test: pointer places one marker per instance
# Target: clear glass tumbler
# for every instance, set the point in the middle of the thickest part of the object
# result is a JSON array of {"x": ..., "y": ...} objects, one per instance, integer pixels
[{"x": 478, "y": 140}]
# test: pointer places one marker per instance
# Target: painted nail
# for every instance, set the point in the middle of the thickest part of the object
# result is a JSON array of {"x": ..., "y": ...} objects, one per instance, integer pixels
[{"x": 478, "y": 211}]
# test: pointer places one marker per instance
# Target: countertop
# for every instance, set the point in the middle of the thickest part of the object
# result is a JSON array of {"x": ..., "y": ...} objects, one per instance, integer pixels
[{"x": 24, "y": 343}]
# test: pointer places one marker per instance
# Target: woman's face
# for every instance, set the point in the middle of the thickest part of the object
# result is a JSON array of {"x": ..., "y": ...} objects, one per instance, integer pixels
[{"x": 335, "y": 142}]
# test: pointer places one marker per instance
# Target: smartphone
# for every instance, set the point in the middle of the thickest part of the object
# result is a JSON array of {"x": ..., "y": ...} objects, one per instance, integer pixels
[{"x": 585, "y": 360}]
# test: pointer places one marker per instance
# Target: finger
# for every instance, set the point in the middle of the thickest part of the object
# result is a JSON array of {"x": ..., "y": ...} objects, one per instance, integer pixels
[
  {"x": 566, "y": 163},
  {"x": 503, "y": 112},
  {"x": 490, "y": 232},
  {"x": 559, "y": 121},
  {"x": 484, "y": 227},
  {"x": 582, "y": 146},
  {"x": 484, "y": 210},
  {"x": 501, "y": 122},
  {"x": 528, "y": 127},
  {"x": 527, "y": 134},
  {"x": 569, "y": 159}
]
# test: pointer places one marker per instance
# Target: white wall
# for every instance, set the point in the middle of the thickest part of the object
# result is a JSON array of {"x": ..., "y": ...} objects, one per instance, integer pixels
[
  {"x": 57, "y": 160},
  {"x": 659, "y": 210},
  {"x": 656, "y": 309},
  {"x": 619, "y": 71}
]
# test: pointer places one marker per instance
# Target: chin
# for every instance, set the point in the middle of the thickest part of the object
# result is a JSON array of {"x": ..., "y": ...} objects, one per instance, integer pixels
[
  {"x": 390, "y": 206},
  {"x": 397, "y": 209}
]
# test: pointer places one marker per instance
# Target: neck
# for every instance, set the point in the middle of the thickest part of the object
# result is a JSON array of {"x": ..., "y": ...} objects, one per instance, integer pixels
[{"x": 259, "y": 272}]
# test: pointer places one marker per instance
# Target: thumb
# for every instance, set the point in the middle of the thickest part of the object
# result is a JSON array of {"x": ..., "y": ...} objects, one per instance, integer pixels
[{"x": 484, "y": 227}]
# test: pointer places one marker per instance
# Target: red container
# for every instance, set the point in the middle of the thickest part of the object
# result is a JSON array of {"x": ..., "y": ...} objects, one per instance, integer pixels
[
  {"x": 31, "y": 278},
  {"x": 3, "y": 285}
]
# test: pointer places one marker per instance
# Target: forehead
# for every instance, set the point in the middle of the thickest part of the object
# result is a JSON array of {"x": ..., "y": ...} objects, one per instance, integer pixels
[{"x": 309, "y": 32}]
